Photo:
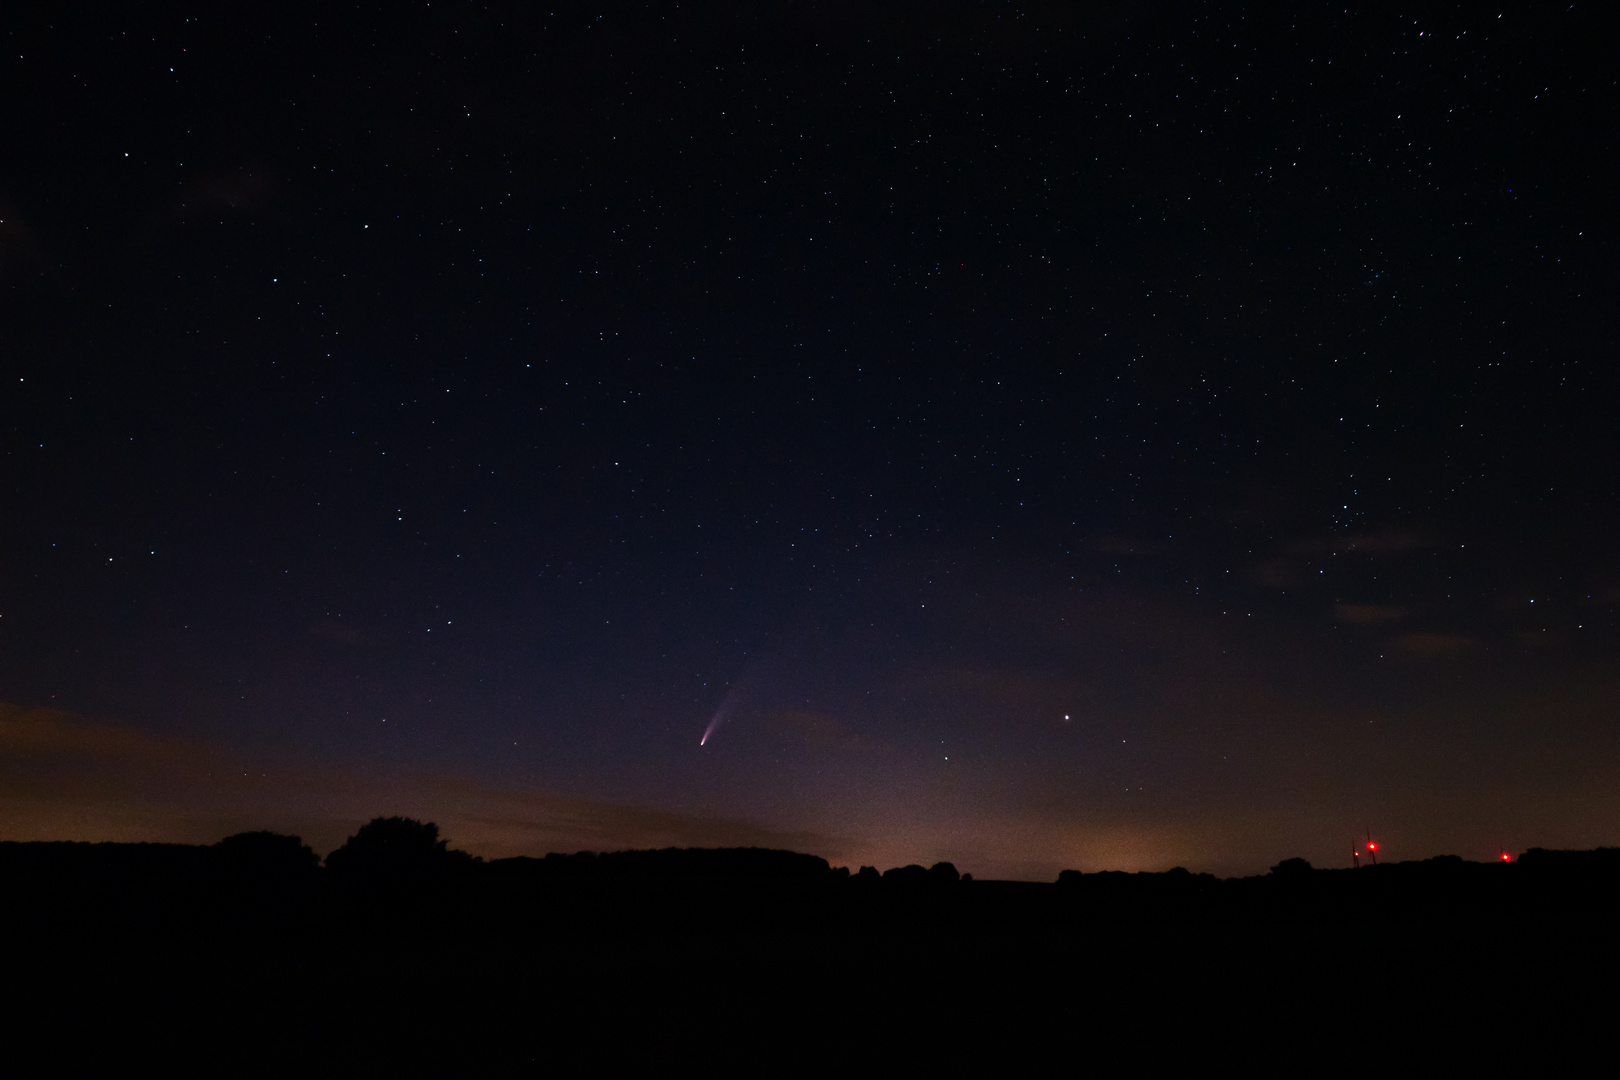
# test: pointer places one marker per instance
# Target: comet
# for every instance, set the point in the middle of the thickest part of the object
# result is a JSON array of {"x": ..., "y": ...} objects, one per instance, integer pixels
[{"x": 728, "y": 704}]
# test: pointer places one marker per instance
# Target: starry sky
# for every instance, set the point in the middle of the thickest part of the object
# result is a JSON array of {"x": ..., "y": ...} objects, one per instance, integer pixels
[{"x": 1107, "y": 436}]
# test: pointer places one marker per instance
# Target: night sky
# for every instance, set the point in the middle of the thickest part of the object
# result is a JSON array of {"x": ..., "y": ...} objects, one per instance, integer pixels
[{"x": 1107, "y": 436}]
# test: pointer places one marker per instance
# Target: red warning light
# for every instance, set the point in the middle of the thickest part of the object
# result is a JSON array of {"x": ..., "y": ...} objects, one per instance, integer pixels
[
  {"x": 1372, "y": 847},
  {"x": 1506, "y": 857}
]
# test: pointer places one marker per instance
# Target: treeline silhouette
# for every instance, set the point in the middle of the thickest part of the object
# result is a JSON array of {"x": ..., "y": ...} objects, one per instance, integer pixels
[
  {"x": 398, "y": 868},
  {"x": 398, "y": 951}
]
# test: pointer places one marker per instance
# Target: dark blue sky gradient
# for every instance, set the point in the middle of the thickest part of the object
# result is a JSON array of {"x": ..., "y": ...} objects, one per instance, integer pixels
[{"x": 1114, "y": 436}]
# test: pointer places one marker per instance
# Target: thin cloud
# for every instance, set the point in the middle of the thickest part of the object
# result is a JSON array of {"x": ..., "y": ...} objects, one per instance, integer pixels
[
  {"x": 1116, "y": 545},
  {"x": 19, "y": 248},
  {"x": 817, "y": 729},
  {"x": 50, "y": 750},
  {"x": 64, "y": 777},
  {"x": 497, "y": 823},
  {"x": 347, "y": 633},
  {"x": 1428, "y": 645},
  {"x": 1367, "y": 614}
]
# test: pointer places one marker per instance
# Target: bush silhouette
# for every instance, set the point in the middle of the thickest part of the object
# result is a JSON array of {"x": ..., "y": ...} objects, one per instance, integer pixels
[
  {"x": 265, "y": 855},
  {"x": 396, "y": 847},
  {"x": 906, "y": 875}
]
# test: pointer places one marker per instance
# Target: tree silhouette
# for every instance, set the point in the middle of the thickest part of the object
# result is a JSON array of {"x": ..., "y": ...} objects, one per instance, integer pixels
[{"x": 396, "y": 847}]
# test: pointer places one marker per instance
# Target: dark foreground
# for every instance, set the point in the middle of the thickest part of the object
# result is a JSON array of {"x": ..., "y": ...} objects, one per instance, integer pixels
[{"x": 126, "y": 955}]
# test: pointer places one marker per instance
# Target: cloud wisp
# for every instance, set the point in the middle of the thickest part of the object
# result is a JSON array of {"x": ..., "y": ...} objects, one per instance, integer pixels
[{"x": 64, "y": 777}]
